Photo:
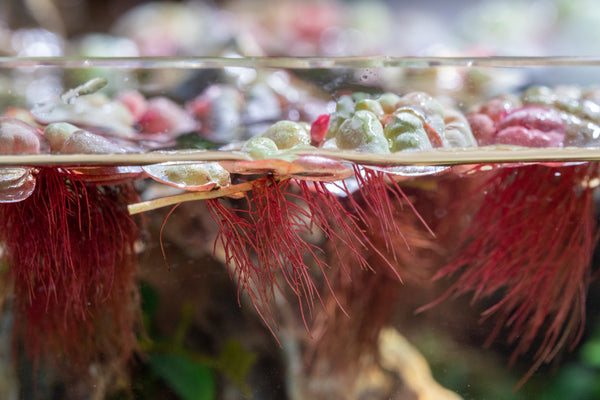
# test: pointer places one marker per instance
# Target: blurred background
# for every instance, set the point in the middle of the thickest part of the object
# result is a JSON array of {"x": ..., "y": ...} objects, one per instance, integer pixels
[{"x": 295, "y": 28}]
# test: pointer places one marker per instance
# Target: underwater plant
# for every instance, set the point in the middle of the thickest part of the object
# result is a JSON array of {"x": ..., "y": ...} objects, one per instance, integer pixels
[
  {"x": 70, "y": 246},
  {"x": 266, "y": 241}
]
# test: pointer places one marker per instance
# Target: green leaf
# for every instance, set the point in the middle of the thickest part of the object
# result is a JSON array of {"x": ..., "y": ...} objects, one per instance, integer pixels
[
  {"x": 194, "y": 141},
  {"x": 590, "y": 353},
  {"x": 189, "y": 379},
  {"x": 236, "y": 362},
  {"x": 573, "y": 382},
  {"x": 150, "y": 299}
]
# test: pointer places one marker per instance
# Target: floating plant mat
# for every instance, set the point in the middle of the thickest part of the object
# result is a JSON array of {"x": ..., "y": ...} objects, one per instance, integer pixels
[{"x": 453, "y": 156}]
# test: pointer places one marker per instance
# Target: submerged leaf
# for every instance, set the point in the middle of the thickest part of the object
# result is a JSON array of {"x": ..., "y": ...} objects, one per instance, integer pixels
[
  {"x": 236, "y": 362},
  {"x": 189, "y": 176},
  {"x": 189, "y": 379}
]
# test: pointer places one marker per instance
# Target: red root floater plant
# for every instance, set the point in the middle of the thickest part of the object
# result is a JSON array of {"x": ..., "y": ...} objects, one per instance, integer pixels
[
  {"x": 70, "y": 248},
  {"x": 531, "y": 238},
  {"x": 267, "y": 240},
  {"x": 368, "y": 296},
  {"x": 270, "y": 233},
  {"x": 533, "y": 241},
  {"x": 265, "y": 244}
]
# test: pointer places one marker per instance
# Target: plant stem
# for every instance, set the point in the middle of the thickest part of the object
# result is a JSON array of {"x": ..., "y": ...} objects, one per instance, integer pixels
[{"x": 149, "y": 205}]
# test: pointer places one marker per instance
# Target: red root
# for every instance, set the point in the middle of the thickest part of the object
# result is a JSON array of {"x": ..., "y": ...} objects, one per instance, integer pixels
[
  {"x": 237, "y": 236},
  {"x": 70, "y": 247},
  {"x": 341, "y": 228},
  {"x": 384, "y": 200},
  {"x": 267, "y": 240},
  {"x": 532, "y": 239},
  {"x": 368, "y": 296},
  {"x": 267, "y": 244},
  {"x": 279, "y": 225},
  {"x": 341, "y": 336}
]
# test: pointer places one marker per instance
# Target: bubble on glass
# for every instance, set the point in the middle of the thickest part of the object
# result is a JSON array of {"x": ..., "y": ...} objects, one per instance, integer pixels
[{"x": 365, "y": 75}]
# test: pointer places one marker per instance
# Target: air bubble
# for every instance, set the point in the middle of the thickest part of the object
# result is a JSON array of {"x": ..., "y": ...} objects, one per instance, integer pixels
[{"x": 365, "y": 75}]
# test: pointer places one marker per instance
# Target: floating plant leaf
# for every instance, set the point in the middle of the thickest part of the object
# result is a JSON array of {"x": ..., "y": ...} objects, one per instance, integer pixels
[
  {"x": 18, "y": 137},
  {"x": 189, "y": 379},
  {"x": 406, "y": 131},
  {"x": 579, "y": 111},
  {"x": 189, "y": 176},
  {"x": 107, "y": 175},
  {"x": 16, "y": 184},
  {"x": 288, "y": 134},
  {"x": 362, "y": 132},
  {"x": 68, "y": 139},
  {"x": 163, "y": 116},
  {"x": 531, "y": 126},
  {"x": 274, "y": 166},
  {"x": 319, "y": 128},
  {"x": 315, "y": 168},
  {"x": 322, "y": 169},
  {"x": 391, "y": 123},
  {"x": 260, "y": 148},
  {"x": 90, "y": 110}
]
